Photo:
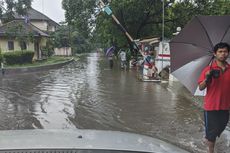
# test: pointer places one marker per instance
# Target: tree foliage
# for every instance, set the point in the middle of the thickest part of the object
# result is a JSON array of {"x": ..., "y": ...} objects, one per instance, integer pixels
[
  {"x": 78, "y": 14},
  {"x": 182, "y": 12},
  {"x": 8, "y": 7},
  {"x": 61, "y": 37},
  {"x": 141, "y": 18},
  {"x": 18, "y": 32}
]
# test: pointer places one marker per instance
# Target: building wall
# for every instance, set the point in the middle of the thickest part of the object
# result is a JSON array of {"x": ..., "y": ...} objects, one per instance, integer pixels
[
  {"x": 30, "y": 45},
  {"x": 42, "y": 25},
  {"x": 4, "y": 45},
  {"x": 43, "y": 41},
  {"x": 65, "y": 51},
  {"x": 51, "y": 28},
  {"x": 163, "y": 57}
]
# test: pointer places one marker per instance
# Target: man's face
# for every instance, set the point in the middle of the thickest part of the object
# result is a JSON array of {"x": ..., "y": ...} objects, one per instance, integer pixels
[{"x": 221, "y": 54}]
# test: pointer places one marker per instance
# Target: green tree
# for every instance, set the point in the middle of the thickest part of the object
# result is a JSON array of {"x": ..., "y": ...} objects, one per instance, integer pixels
[
  {"x": 220, "y": 7},
  {"x": 9, "y": 7},
  {"x": 182, "y": 11},
  {"x": 141, "y": 18},
  {"x": 78, "y": 14},
  {"x": 61, "y": 37},
  {"x": 19, "y": 33}
]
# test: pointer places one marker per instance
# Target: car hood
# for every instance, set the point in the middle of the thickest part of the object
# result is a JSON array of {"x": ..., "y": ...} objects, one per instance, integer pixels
[{"x": 74, "y": 139}]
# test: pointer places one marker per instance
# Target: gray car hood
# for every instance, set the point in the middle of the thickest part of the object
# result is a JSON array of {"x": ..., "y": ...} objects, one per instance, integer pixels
[{"x": 82, "y": 139}]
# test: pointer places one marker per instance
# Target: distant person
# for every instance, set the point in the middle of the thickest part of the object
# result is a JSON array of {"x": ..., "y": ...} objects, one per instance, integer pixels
[
  {"x": 109, "y": 54},
  {"x": 147, "y": 65},
  {"x": 216, "y": 78},
  {"x": 133, "y": 62},
  {"x": 140, "y": 67},
  {"x": 110, "y": 58},
  {"x": 122, "y": 55},
  {"x": 153, "y": 71}
]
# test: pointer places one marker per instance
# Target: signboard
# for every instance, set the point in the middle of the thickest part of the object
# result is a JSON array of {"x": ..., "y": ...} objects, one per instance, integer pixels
[{"x": 107, "y": 10}]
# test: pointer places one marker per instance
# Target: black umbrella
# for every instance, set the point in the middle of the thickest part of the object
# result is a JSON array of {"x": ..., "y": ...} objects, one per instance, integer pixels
[{"x": 191, "y": 49}]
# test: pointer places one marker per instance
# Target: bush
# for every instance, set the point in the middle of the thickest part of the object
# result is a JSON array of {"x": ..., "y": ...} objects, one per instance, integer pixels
[
  {"x": 27, "y": 56},
  {"x": 18, "y": 57},
  {"x": 47, "y": 51}
]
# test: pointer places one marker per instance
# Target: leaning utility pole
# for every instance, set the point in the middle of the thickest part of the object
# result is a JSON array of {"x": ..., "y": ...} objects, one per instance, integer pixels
[{"x": 108, "y": 11}]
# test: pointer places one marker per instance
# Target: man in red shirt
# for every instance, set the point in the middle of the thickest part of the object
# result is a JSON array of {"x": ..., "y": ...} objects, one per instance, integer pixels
[{"x": 216, "y": 78}]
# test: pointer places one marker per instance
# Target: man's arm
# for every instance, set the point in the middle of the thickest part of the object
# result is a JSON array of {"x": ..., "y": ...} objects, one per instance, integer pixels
[{"x": 203, "y": 85}]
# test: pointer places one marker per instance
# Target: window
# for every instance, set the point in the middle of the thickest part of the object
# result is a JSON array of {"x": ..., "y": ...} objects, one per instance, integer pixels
[
  {"x": 10, "y": 45},
  {"x": 23, "y": 45}
]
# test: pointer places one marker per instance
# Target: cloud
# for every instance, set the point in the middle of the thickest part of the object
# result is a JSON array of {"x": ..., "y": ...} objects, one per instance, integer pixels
[{"x": 51, "y": 8}]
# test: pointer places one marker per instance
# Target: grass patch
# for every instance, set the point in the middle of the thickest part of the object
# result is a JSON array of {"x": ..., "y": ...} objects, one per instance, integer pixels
[{"x": 48, "y": 61}]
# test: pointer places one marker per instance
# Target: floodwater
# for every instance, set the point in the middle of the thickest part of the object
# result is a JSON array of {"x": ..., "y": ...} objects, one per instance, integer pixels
[{"x": 86, "y": 94}]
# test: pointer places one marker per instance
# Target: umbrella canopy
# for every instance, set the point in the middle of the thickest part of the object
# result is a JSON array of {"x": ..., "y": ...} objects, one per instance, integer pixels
[
  {"x": 191, "y": 49},
  {"x": 109, "y": 51}
]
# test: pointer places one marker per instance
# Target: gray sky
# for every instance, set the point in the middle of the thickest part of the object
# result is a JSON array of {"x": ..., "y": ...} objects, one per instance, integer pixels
[{"x": 51, "y": 8}]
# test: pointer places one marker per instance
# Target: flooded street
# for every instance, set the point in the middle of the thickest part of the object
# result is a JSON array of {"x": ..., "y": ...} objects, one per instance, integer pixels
[{"x": 86, "y": 94}]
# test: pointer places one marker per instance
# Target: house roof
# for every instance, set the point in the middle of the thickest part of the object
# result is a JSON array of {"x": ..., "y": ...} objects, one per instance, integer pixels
[
  {"x": 21, "y": 28},
  {"x": 34, "y": 15}
]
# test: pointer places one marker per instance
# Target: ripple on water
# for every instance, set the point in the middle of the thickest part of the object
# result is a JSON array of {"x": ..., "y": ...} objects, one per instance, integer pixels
[{"x": 84, "y": 95}]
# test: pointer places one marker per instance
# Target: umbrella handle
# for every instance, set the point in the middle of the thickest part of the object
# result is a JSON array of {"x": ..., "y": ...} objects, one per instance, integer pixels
[{"x": 211, "y": 61}]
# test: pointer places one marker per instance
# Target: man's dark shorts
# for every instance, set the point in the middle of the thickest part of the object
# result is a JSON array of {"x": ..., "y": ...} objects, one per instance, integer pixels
[{"x": 215, "y": 123}]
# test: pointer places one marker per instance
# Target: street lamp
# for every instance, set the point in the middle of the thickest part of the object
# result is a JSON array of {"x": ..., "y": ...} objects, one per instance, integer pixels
[{"x": 178, "y": 29}]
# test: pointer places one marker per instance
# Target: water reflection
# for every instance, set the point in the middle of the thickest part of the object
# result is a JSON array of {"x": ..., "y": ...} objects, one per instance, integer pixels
[{"x": 88, "y": 95}]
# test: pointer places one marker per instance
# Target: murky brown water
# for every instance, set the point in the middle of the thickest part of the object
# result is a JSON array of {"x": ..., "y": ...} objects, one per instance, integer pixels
[{"x": 88, "y": 95}]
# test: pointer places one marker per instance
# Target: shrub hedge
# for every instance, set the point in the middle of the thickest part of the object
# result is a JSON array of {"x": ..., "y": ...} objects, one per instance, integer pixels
[{"x": 18, "y": 57}]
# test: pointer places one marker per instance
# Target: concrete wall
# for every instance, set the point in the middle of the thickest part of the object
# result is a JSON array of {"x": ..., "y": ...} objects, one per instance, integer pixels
[
  {"x": 4, "y": 45},
  {"x": 42, "y": 25},
  {"x": 43, "y": 41},
  {"x": 38, "y": 55},
  {"x": 162, "y": 56},
  {"x": 65, "y": 51},
  {"x": 51, "y": 28},
  {"x": 30, "y": 46}
]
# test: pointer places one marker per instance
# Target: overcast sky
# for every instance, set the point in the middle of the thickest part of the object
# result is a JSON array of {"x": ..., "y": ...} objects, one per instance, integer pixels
[{"x": 51, "y": 8}]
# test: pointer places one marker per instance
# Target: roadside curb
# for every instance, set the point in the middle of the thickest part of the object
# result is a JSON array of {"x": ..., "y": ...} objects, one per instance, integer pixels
[{"x": 17, "y": 71}]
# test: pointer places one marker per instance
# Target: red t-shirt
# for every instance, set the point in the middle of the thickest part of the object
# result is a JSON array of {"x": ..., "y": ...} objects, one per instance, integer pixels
[{"x": 218, "y": 91}]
